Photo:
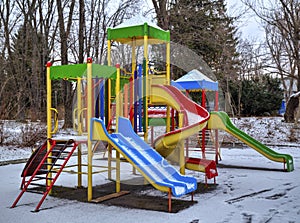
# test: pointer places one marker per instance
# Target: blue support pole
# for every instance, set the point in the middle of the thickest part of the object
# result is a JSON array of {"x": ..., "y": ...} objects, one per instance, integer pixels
[{"x": 102, "y": 101}]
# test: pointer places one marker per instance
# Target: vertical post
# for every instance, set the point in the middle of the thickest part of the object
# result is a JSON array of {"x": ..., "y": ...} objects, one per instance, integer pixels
[
  {"x": 181, "y": 147},
  {"x": 118, "y": 113},
  {"x": 203, "y": 130},
  {"x": 217, "y": 148},
  {"x": 168, "y": 77},
  {"x": 135, "y": 102},
  {"x": 118, "y": 95},
  {"x": 108, "y": 108},
  {"x": 102, "y": 102},
  {"x": 146, "y": 87},
  {"x": 168, "y": 119},
  {"x": 132, "y": 84},
  {"x": 140, "y": 95},
  {"x": 79, "y": 130},
  {"x": 89, "y": 116},
  {"x": 168, "y": 68},
  {"x": 49, "y": 126},
  {"x": 126, "y": 100},
  {"x": 49, "y": 101},
  {"x": 118, "y": 184},
  {"x": 170, "y": 200}
]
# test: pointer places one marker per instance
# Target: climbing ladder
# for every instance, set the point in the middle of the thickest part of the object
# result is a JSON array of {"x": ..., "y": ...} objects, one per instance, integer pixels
[
  {"x": 44, "y": 167},
  {"x": 208, "y": 144}
]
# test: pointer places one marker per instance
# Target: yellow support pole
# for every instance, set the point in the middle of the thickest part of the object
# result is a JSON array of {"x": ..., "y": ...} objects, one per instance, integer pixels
[
  {"x": 49, "y": 102},
  {"x": 109, "y": 148},
  {"x": 146, "y": 79},
  {"x": 168, "y": 68},
  {"x": 49, "y": 125},
  {"x": 89, "y": 116},
  {"x": 181, "y": 147},
  {"x": 79, "y": 130},
  {"x": 168, "y": 71},
  {"x": 118, "y": 112}
]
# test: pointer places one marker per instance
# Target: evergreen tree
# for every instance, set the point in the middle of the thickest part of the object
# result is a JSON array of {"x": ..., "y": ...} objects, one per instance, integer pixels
[
  {"x": 204, "y": 27},
  {"x": 259, "y": 96}
]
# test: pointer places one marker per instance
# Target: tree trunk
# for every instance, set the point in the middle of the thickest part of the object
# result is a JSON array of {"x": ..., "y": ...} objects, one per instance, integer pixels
[
  {"x": 67, "y": 86},
  {"x": 292, "y": 107}
]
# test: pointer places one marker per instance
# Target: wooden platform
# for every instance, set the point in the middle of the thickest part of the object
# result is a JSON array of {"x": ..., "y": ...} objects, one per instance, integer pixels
[{"x": 109, "y": 196}]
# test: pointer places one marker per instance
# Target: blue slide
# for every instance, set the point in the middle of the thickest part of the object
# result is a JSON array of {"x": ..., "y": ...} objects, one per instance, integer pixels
[{"x": 144, "y": 158}]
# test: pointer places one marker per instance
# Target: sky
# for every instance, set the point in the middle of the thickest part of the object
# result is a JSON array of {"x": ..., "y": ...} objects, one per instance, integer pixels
[{"x": 249, "y": 26}]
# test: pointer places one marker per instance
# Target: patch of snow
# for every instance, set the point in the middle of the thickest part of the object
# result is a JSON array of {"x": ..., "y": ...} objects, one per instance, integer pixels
[{"x": 263, "y": 194}]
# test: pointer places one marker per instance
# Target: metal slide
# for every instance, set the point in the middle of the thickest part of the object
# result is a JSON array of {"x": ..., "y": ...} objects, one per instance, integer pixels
[
  {"x": 145, "y": 159},
  {"x": 220, "y": 120}
]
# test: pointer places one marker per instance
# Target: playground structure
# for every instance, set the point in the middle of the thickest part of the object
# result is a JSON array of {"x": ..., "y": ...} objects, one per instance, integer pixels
[{"x": 112, "y": 106}]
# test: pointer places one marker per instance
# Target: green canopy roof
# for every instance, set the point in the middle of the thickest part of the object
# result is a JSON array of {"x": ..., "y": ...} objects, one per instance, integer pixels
[
  {"x": 135, "y": 29},
  {"x": 79, "y": 70}
]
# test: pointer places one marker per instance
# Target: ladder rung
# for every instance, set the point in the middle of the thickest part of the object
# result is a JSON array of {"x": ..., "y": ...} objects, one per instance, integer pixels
[
  {"x": 41, "y": 178},
  {"x": 56, "y": 157},
  {"x": 32, "y": 190},
  {"x": 59, "y": 151},
  {"x": 36, "y": 184},
  {"x": 48, "y": 171},
  {"x": 52, "y": 164}
]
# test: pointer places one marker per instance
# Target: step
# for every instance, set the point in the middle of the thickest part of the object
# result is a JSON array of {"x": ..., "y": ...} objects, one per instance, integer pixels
[
  {"x": 48, "y": 171},
  {"x": 42, "y": 178},
  {"x": 57, "y": 157},
  {"x": 60, "y": 151},
  {"x": 36, "y": 184},
  {"x": 52, "y": 164}
]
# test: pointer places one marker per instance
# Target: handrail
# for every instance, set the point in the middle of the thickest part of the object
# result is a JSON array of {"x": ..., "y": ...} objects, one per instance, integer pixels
[
  {"x": 74, "y": 118},
  {"x": 81, "y": 115},
  {"x": 55, "y": 120}
]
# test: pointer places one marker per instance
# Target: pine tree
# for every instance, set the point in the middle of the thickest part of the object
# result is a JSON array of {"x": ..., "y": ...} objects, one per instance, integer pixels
[{"x": 204, "y": 27}]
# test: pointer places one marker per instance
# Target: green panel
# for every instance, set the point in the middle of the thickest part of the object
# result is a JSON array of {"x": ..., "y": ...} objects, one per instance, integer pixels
[
  {"x": 123, "y": 81},
  {"x": 67, "y": 71},
  {"x": 125, "y": 34},
  {"x": 103, "y": 71},
  {"x": 157, "y": 121},
  {"x": 159, "y": 34},
  {"x": 79, "y": 70}
]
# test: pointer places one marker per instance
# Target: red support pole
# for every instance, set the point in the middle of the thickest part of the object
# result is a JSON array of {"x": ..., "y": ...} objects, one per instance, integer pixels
[
  {"x": 203, "y": 103},
  {"x": 216, "y": 131},
  {"x": 170, "y": 200}
]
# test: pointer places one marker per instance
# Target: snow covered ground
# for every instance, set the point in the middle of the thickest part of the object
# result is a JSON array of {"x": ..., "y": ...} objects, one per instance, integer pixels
[{"x": 264, "y": 194}]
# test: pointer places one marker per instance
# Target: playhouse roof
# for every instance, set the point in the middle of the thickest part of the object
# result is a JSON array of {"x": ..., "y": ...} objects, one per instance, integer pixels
[
  {"x": 195, "y": 80},
  {"x": 135, "y": 29},
  {"x": 79, "y": 70}
]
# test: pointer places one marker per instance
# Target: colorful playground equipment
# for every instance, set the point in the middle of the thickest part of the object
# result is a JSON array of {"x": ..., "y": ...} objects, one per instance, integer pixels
[{"x": 116, "y": 106}]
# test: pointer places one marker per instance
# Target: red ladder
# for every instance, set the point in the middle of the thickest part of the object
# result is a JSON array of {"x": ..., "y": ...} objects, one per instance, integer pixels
[{"x": 42, "y": 166}]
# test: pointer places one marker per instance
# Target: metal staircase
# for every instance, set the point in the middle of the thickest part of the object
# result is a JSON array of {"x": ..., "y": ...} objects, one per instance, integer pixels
[{"x": 44, "y": 167}]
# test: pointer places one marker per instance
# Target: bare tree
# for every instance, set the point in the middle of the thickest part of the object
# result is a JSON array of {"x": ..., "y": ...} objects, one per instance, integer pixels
[
  {"x": 281, "y": 21},
  {"x": 64, "y": 31}
]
